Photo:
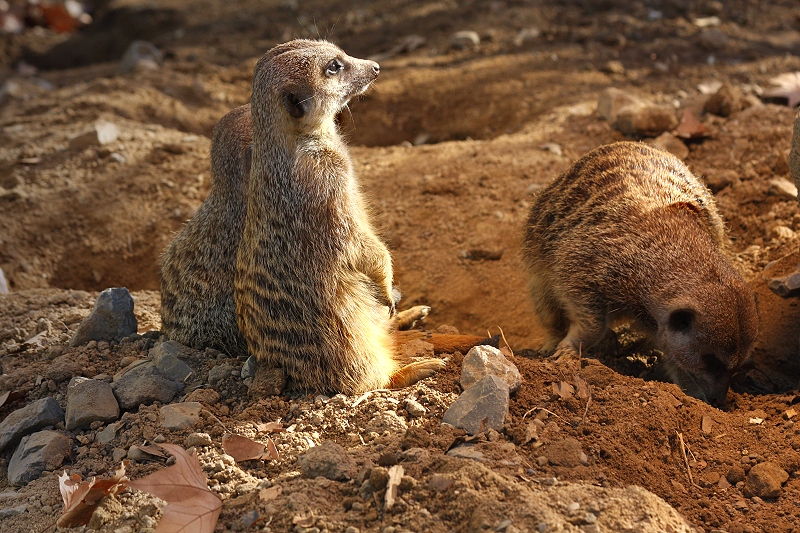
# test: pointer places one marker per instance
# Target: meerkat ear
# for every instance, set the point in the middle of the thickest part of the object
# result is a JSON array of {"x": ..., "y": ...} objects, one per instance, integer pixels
[{"x": 296, "y": 104}]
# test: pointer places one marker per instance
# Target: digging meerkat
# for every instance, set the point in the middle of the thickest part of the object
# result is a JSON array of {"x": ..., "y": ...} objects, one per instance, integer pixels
[
  {"x": 313, "y": 282},
  {"x": 628, "y": 231}
]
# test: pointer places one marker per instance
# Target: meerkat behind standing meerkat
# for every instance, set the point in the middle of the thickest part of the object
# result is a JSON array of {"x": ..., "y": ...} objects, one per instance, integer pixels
[
  {"x": 629, "y": 231},
  {"x": 197, "y": 268},
  {"x": 313, "y": 283}
]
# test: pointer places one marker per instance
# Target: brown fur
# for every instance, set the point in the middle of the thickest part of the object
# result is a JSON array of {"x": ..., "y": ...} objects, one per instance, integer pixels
[
  {"x": 313, "y": 283},
  {"x": 197, "y": 268},
  {"x": 629, "y": 231}
]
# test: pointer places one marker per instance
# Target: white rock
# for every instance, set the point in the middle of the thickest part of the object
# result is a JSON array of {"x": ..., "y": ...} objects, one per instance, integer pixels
[
  {"x": 481, "y": 361},
  {"x": 783, "y": 188}
]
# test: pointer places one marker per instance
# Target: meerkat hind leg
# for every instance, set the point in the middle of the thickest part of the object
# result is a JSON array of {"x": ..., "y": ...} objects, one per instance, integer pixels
[
  {"x": 407, "y": 319},
  {"x": 413, "y": 372}
]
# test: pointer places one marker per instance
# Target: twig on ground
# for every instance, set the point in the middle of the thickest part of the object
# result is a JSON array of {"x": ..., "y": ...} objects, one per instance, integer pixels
[
  {"x": 685, "y": 457},
  {"x": 540, "y": 409}
]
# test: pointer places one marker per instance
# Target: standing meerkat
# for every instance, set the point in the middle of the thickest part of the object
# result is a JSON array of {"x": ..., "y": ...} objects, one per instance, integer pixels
[
  {"x": 197, "y": 268},
  {"x": 313, "y": 283},
  {"x": 628, "y": 231}
]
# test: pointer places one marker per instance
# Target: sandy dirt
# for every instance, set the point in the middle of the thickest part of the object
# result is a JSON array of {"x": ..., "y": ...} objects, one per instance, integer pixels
[{"x": 449, "y": 145}]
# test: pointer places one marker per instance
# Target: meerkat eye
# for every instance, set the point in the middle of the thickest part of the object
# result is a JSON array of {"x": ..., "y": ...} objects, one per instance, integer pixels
[
  {"x": 334, "y": 67},
  {"x": 681, "y": 320}
]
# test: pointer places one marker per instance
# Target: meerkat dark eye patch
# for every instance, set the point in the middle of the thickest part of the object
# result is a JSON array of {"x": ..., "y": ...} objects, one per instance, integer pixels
[
  {"x": 334, "y": 67},
  {"x": 295, "y": 105},
  {"x": 681, "y": 320},
  {"x": 713, "y": 364}
]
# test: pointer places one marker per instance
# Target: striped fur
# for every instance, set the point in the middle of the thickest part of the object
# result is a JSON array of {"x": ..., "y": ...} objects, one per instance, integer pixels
[
  {"x": 629, "y": 231},
  {"x": 197, "y": 268},
  {"x": 313, "y": 284}
]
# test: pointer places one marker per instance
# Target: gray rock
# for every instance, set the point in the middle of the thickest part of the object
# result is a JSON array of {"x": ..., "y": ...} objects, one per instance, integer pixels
[
  {"x": 143, "y": 384},
  {"x": 786, "y": 286},
  {"x": 178, "y": 416},
  {"x": 32, "y": 417},
  {"x": 112, "y": 318},
  {"x": 467, "y": 451},
  {"x": 387, "y": 421},
  {"x": 165, "y": 358},
  {"x": 142, "y": 55},
  {"x": 328, "y": 460},
  {"x": 465, "y": 39},
  {"x": 646, "y": 120},
  {"x": 89, "y": 400},
  {"x": 612, "y": 100},
  {"x": 764, "y": 481},
  {"x": 45, "y": 450},
  {"x": 219, "y": 373},
  {"x": 414, "y": 455},
  {"x": 783, "y": 189},
  {"x": 198, "y": 439},
  {"x": 118, "y": 454},
  {"x": 481, "y": 361},
  {"x": 415, "y": 409},
  {"x": 3, "y": 283},
  {"x": 13, "y": 511},
  {"x": 482, "y": 406},
  {"x": 249, "y": 368},
  {"x": 109, "y": 433},
  {"x": 103, "y": 132}
]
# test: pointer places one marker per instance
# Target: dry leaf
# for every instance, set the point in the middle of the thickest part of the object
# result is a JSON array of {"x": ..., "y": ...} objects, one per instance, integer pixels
[
  {"x": 583, "y": 388},
  {"x": 4, "y": 397},
  {"x": 244, "y": 449},
  {"x": 271, "y": 427},
  {"x": 81, "y": 497},
  {"x": 191, "y": 507},
  {"x": 155, "y": 451},
  {"x": 563, "y": 389},
  {"x": 270, "y": 493},
  {"x": 788, "y": 88},
  {"x": 395, "y": 475},
  {"x": 691, "y": 128}
]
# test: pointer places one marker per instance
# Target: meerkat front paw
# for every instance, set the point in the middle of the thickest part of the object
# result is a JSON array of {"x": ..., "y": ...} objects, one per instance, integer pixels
[
  {"x": 565, "y": 351},
  {"x": 408, "y": 319}
]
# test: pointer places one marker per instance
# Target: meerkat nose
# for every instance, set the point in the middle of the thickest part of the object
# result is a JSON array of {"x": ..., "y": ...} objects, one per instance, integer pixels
[{"x": 376, "y": 68}]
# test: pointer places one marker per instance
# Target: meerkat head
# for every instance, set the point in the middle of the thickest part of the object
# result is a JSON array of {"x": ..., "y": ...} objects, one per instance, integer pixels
[
  {"x": 707, "y": 336},
  {"x": 309, "y": 82}
]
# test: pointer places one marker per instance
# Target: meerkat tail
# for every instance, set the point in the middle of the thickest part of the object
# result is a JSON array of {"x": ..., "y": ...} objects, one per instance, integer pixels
[
  {"x": 444, "y": 342},
  {"x": 413, "y": 372}
]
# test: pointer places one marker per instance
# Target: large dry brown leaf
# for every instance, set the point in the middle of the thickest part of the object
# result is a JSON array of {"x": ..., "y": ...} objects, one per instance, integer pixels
[
  {"x": 244, "y": 449},
  {"x": 191, "y": 507},
  {"x": 81, "y": 497}
]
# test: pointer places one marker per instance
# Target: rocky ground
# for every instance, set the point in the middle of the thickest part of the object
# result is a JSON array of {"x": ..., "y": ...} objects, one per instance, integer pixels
[{"x": 101, "y": 162}]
